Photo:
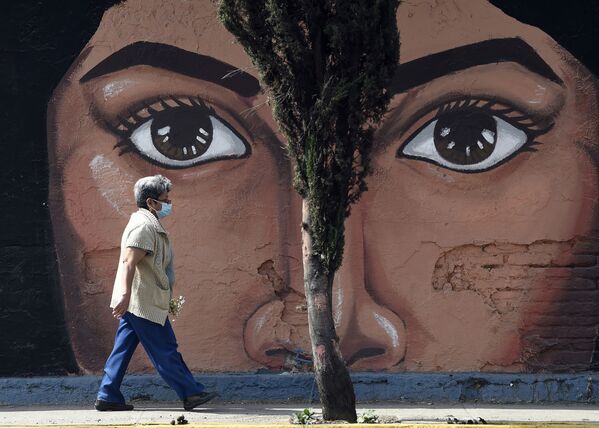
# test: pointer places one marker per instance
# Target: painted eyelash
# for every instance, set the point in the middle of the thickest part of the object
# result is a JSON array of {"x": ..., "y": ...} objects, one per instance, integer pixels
[
  {"x": 531, "y": 126},
  {"x": 125, "y": 146},
  {"x": 134, "y": 118}
]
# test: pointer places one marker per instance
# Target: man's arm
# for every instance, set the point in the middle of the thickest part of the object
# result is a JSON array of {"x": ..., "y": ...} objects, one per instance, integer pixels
[{"x": 131, "y": 257}]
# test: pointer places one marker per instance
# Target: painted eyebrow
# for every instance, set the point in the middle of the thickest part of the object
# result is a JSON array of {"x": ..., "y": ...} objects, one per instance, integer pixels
[
  {"x": 423, "y": 70},
  {"x": 179, "y": 61}
]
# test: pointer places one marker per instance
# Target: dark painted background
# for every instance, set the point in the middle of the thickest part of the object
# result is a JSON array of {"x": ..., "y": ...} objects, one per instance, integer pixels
[{"x": 38, "y": 42}]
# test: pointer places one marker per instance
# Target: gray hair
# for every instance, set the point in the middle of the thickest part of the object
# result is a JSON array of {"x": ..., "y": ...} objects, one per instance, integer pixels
[{"x": 150, "y": 187}]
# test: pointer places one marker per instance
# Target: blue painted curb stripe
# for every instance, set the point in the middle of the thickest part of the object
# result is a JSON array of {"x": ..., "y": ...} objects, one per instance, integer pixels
[{"x": 403, "y": 387}]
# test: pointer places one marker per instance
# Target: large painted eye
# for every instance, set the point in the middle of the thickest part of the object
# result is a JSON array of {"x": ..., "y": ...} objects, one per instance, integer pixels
[
  {"x": 184, "y": 135},
  {"x": 469, "y": 138}
]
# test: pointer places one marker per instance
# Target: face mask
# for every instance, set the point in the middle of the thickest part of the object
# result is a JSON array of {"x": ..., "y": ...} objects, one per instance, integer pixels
[{"x": 165, "y": 210}]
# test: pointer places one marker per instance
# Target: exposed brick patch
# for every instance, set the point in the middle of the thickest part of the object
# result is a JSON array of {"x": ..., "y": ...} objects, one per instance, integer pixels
[{"x": 555, "y": 280}]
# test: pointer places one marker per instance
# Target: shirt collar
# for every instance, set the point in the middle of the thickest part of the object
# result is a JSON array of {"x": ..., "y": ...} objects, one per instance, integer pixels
[{"x": 153, "y": 220}]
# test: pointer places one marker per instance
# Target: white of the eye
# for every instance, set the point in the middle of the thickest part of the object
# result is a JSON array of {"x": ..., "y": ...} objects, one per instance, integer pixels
[
  {"x": 509, "y": 140},
  {"x": 224, "y": 144}
]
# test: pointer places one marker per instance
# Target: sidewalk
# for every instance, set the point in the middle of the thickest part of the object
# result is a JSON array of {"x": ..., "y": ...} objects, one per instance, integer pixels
[{"x": 231, "y": 414}]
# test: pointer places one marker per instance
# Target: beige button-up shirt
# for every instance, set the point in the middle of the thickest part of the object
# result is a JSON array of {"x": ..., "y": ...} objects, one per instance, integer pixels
[{"x": 154, "y": 277}]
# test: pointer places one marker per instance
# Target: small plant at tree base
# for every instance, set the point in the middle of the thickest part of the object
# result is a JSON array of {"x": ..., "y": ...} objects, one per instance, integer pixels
[
  {"x": 305, "y": 417},
  {"x": 368, "y": 417}
]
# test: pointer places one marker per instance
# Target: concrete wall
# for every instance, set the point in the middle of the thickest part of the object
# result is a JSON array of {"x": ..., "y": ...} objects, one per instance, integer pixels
[
  {"x": 404, "y": 387},
  {"x": 474, "y": 250}
]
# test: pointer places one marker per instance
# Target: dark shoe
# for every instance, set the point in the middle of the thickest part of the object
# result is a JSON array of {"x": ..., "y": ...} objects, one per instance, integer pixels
[
  {"x": 103, "y": 406},
  {"x": 194, "y": 401}
]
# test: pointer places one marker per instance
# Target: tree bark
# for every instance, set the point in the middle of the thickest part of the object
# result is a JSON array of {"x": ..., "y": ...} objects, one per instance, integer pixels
[{"x": 332, "y": 377}]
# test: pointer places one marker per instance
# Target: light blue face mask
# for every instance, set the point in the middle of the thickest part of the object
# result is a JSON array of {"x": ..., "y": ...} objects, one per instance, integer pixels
[{"x": 165, "y": 210}]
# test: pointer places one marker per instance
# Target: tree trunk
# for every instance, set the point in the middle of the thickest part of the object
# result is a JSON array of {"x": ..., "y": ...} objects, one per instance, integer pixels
[{"x": 332, "y": 377}]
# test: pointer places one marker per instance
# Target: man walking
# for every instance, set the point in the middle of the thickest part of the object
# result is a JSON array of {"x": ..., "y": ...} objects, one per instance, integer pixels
[{"x": 140, "y": 300}]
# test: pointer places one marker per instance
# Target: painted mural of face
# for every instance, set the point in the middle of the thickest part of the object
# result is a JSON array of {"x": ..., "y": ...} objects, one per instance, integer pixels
[{"x": 473, "y": 249}]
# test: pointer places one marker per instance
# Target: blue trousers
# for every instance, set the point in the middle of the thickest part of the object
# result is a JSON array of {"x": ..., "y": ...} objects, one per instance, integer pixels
[{"x": 160, "y": 344}]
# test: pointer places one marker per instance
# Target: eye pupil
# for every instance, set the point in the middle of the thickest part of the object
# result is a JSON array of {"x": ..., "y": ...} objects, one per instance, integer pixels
[
  {"x": 182, "y": 133},
  {"x": 465, "y": 137}
]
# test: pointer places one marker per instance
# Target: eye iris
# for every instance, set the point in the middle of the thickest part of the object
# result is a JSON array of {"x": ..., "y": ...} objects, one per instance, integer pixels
[
  {"x": 465, "y": 137},
  {"x": 182, "y": 133}
]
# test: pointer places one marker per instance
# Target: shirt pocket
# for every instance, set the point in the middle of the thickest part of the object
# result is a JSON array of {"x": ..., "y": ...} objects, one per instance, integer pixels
[{"x": 161, "y": 297}]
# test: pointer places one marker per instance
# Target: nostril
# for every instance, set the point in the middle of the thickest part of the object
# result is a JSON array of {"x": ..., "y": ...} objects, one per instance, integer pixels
[
  {"x": 296, "y": 360},
  {"x": 276, "y": 352},
  {"x": 365, "y": 353}
]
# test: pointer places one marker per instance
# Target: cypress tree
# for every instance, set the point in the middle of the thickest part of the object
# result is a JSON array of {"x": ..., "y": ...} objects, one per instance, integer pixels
[{"x": 326, "y": 65}]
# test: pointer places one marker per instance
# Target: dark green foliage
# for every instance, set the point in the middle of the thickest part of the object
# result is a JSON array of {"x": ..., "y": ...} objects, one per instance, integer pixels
[{"x": 326, "y": 64}]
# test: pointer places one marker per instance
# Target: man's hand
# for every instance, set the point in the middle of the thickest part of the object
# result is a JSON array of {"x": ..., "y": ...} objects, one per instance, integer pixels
[{"x": 121, "y": 307}]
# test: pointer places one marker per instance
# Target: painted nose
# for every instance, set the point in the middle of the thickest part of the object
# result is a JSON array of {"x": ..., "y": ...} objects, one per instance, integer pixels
[{"x": 372, "y": 337}]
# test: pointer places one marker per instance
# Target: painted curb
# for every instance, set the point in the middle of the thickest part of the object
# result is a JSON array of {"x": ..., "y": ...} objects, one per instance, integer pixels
[{"x": 286, "y": 387}]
